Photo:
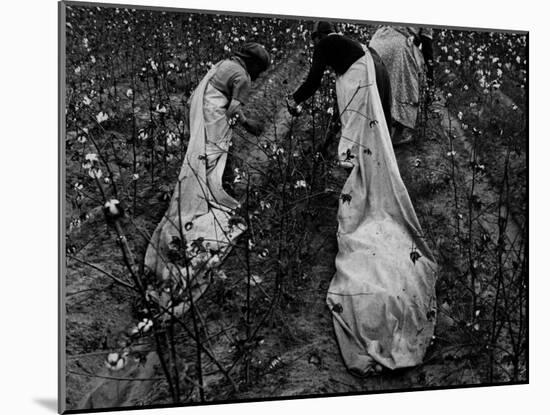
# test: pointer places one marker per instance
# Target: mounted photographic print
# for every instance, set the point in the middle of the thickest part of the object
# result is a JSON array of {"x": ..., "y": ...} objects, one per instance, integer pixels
[{"x": 262, "y": 207}]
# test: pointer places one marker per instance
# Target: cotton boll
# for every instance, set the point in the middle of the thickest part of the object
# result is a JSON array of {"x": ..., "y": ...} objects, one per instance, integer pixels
[
  {"x": 113, "y": 210},
  {"x": 115, "y": 361},
  {"x": 112, "y": 358}
]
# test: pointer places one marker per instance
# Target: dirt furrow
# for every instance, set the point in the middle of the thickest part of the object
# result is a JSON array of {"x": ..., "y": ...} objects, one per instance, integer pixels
[{"x": 465, "y": 159}]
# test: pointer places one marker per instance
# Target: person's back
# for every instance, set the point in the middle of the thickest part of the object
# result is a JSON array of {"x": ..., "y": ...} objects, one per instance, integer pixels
[
  {"x": 340, "y": 52},
  {"x": 232, "y": 79},
  {"x": 336, "y": 51},
  {"x": 399, "y": 49}
]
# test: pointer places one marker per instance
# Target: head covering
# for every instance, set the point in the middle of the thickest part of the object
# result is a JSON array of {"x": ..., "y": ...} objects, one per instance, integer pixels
[
  {"x": 322, "y": 27},
  {"x": 253, "y": 50}
]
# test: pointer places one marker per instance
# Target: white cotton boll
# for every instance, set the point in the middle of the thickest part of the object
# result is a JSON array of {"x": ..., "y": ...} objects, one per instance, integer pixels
[
  {"x": 112, "y": 207},
  {"x": 148, "y": 325},
  {"x": 102, "y": 116},
  {"x": 300, "y": 184},
  {"x": 91, "y": 157},
  {"x": 112, "y": 358},
  {"x": 142, "y": 135},
  {"x": 116, "y": 361},
  {"x": 95, "y": 173},
  {"x": 161, "y": 109},
  {"x": 120, "y": 364},
  {"x": 145, "y": 325},
  {"x": 172, "y": 139}
]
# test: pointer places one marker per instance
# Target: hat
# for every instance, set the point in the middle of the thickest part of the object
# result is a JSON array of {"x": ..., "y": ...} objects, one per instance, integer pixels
[
  {"x": 322, "y": 27},
  {"x": 253, "y": 50}
]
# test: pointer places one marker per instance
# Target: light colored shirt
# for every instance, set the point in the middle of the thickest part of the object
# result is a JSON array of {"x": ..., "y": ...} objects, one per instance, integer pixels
[{"x": 232, "y": 80}]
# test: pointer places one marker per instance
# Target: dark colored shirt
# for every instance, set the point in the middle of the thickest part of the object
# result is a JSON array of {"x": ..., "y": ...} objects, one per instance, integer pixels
[
  {"x": 340, "y": 53},
  {"x": 232, "y": 80},
  {"x": 335, "y": 51}
]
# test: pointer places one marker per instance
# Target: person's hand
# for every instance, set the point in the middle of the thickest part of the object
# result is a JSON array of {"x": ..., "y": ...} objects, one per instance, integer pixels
[
  {"x": 293, "y": 108},
  {"x": 254, "y": 127}
]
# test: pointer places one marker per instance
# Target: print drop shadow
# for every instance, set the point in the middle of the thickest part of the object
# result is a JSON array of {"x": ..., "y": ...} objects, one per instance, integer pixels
[{"x": 48, "y": 403}]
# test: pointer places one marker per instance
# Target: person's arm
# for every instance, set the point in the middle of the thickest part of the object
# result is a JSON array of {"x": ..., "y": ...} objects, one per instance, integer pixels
[
  {"x": 240, "y": 89},
  {"x": 314, "y": 77},
  {"x": 235, "y": 114}
]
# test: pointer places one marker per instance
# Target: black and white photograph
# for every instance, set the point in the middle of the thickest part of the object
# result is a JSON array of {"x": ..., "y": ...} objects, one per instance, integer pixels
[{"x": 263, "y": 207}]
